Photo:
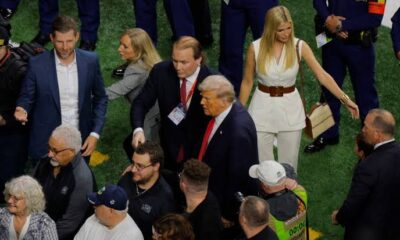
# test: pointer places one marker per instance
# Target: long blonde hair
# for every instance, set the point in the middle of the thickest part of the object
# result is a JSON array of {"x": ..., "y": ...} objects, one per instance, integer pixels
[
  {"x": 143, "y": 47},
  {"x": 273, "y": 19}
]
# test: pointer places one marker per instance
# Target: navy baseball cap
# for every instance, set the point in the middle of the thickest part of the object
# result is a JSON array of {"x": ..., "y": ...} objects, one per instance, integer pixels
[{"x": 111, "y": 195}]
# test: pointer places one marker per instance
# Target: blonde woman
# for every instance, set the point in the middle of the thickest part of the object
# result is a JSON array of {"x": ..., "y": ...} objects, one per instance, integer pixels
[
  {"x": 138, "y": 50},
  {"x": 276, "y": 106}
]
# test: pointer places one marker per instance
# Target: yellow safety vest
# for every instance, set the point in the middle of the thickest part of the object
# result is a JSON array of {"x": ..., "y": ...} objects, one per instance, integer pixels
[{"x": 294, "y": 228}]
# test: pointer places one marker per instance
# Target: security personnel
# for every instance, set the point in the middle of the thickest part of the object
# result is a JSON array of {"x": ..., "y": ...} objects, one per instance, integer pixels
[
  {"x": 236, "y": 17},
  {"x": 13, "y": 136},
  {"x": 395, "y": 33},
  {"x": 287, "y": 207},
  {"x": 353, "y": 26},
  {"x": 178, "y": 13},
  {"x": 89, "y": 14}
]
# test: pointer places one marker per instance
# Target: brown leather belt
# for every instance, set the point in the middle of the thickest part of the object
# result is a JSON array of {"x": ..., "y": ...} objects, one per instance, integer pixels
[{"x": 276, "y": 91}]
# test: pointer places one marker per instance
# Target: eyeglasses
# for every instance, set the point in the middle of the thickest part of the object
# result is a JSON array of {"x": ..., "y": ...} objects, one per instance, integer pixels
[
  {"x": 140, "y": 167},
  {"x": 14, "y": 198},
  {"x": 55, "y": 151}
]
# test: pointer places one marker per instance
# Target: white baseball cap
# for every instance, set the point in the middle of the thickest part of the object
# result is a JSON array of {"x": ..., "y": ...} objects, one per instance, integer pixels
[{"x": 269, "y": 172}]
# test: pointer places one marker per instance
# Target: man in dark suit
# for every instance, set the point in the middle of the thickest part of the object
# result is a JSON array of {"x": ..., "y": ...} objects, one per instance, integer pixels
[
  {"x": 229, "y": 145},
  {"x": 63, "y": 86},
  {"x": 173, "y": 83},
  {"x": 372, "y": 208}
]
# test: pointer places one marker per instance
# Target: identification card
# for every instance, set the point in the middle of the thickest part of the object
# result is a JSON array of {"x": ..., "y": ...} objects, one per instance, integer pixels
[
  {"x": 177, "y": 114},
  {"x": 322, "y": 39}
]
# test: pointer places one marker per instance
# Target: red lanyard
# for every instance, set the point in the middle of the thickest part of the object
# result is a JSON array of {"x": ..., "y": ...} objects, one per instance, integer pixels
[{"x": 190, "y": 94}]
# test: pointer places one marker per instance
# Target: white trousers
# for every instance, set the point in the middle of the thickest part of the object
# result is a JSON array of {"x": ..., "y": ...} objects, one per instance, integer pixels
[{"x": 288, "y": 146}]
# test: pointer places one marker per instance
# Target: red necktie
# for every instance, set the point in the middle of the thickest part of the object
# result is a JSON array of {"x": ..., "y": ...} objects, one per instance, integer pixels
[
  {"x": 207, "y": 134},
  {"x": 183, "y": 92}
]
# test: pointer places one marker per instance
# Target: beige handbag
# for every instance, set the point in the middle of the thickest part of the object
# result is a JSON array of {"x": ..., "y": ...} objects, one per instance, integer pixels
[{"x": 319, "y": 118}]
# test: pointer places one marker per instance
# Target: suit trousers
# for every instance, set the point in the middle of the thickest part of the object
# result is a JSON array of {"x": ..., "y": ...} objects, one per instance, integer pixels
[
  {"x": 288, "y": 146},
  {"x": 89, "y": 14},
  {"x": 339, "y": 57},
  {"x": 178, "y": 13},
  {"x": 11, "y": 4},
  {"x": 236, "y": 18}
]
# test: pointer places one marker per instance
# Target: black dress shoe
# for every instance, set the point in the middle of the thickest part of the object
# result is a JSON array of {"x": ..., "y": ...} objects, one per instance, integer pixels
[
  {"x": 6, "y": 13},
  {"x": 119, "y": 71},
  {"x": 41, "y": 39},
  {"x": 88, "y": 46},
  {"x": 320, "y": 143}
]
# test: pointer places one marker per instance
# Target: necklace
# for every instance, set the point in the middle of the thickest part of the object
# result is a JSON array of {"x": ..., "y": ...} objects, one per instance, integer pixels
[{"x": 140, "y": 191}]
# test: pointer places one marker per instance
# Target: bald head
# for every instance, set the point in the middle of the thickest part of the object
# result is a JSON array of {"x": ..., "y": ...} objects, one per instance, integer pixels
[{"x": 383, "y": 121}]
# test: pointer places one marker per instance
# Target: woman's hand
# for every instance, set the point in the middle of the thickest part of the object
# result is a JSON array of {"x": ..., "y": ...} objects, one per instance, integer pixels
[{"x": 353, "y": 109}]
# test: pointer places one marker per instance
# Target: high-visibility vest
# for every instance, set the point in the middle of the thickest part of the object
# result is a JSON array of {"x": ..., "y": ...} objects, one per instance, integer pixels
[{"x": 295, "y": 227}]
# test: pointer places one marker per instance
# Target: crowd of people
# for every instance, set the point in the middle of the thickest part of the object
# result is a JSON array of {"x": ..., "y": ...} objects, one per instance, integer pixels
[{"x": 202, "y": 165}]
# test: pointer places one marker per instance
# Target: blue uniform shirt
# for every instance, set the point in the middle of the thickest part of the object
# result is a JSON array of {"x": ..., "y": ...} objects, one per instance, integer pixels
[{"x": 355, "y": 11}]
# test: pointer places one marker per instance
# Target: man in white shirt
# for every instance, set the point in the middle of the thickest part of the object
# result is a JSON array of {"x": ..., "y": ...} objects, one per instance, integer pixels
[
  {"x": 63, "y": 86},
  {"x": 173, "y": 84},
  {"x": 111, "y": 220}
]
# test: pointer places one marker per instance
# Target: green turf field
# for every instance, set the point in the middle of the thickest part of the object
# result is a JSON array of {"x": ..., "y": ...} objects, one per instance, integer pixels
[{"x": 326, "y": 175}]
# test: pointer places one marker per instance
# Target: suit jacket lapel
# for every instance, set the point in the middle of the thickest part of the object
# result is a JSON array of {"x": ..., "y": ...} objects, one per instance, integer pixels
[
  {"x": 82, "y": 71},
  {"x": 53, "y": 80},
  {"x": 221, "y": 131}
]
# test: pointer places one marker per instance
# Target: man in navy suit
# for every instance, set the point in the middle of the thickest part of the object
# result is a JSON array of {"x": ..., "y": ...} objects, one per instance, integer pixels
[
  {"x": 63, "y": 86},
  {"x": 229, "y": 145},
  {"x": 174, "y": 85},
  {"x": 371, "y": 209}
]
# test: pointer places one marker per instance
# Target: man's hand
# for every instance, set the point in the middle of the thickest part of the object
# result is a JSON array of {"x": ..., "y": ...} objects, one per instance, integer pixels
[
  {"x": 21, "y": 115},
  {"x": 138, "y": 138},
  {"x": 342, "y": 34},
  {"x": 332, "y": 22},
  {"x": 2, "y": 121},
  {"x": 127, "y": 169},
  {"x": 89, "y": 145},
  {"x": 226, "y": 223},
  {"x": 398, "y": 55},
  {"x": 290, "y": 184},
  {"x": 333, "y": 217}
]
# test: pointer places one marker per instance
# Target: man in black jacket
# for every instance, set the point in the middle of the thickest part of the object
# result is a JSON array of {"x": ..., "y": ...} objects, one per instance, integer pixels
[
  {"x": 66, "y": 179},
  {"x": 372, "y": 208},
  {"x": 202, "y": 208},
  {"x": 13, "y": 136},
  {"x": 150, "y": 196}
]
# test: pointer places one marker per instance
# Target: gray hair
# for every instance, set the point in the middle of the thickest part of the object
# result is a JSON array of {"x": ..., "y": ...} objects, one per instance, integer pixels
[
  {"x": 31, "y": 191},
  {"x": 70, "y": 135},
  {"x": 220, "y": 84},
  {"x": 255, "y": 210}
]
